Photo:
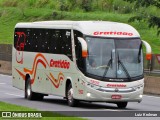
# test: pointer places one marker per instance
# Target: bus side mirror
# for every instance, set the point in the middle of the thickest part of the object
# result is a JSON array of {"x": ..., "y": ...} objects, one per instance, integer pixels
[
  {"x": 148, "y": 50},
  {"x": 84, "y": 47}
]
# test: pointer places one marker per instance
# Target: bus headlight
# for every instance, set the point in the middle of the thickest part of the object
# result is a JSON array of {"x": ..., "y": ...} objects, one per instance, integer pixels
[
  {"x": 88, "y": 94},
  {"x": 140, "y": 96}
]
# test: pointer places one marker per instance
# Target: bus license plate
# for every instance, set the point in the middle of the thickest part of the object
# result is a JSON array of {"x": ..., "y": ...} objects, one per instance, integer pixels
[{"x": 116, "y": 96}]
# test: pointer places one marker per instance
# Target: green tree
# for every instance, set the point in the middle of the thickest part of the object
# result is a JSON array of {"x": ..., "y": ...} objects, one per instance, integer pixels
[
  {"x": 86, "y": 5},
  {"x": 145, "y": 3},
  {"x": 153, "y": 20}
]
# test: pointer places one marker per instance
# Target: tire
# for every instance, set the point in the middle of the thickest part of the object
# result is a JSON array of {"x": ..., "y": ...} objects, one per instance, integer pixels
[
  {"x": 122, "y": 104},
  {"x": 29, "y": 94},
  {"x": 39, "y": 96},
  {"x": 71, "y": 101}
]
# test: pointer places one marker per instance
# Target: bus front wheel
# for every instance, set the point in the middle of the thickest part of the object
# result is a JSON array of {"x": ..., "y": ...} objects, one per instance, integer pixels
[
  {"x": 122, "y": 104},
  {"x": 71, "y": 101}
]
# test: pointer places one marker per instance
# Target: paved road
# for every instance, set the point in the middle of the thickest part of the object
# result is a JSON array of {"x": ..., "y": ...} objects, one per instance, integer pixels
[{"x": 54, "y": 103}]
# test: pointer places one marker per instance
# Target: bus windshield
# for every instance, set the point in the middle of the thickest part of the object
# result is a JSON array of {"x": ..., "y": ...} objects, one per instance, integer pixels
[{"x": 114, "y": 59}]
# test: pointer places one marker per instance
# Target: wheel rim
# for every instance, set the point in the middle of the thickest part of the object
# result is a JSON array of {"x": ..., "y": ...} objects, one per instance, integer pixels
[
  {"x": 70, "y": 95},
  {"x": 28, "y": 90}
]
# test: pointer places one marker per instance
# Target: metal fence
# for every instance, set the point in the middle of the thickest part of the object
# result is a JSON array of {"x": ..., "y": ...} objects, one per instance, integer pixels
[
  {"x": 150, "y": 67},
  {"x": 153, "y": 66}
]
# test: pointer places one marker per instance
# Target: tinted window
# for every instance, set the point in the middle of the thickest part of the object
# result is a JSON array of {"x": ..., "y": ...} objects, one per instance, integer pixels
[
  {"x": 66, "y": 47},
  {"x": 78, "y": 50},
  {"x": 44, "y": 40}
]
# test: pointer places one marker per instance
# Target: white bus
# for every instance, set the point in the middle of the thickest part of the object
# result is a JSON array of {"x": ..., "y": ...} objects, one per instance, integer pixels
[{"x": 94, "y": 61}]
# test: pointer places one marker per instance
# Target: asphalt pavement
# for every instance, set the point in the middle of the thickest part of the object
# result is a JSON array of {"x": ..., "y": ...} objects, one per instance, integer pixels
[{"x": 13, "y": 95}]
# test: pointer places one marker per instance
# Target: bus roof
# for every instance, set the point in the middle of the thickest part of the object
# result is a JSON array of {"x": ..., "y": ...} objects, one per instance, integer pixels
[{"x": 91, "y": 28}]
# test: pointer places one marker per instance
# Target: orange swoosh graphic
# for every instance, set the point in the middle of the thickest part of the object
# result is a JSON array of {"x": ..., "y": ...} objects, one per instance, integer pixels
[
  {"x": 43, "y": 61},
  {"x": 38, "y": 61},
  {"x": 56, "y": 82},
  {"x": 34, "y": 68},
  {"x": 34, "y": 63},
  {"x": 21, "y": 74}
]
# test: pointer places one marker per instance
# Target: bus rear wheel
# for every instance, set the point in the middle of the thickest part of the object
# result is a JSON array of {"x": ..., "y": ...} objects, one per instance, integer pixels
[
  {"x": 71, "y": 101},
  {"x": 122, "y": 104},
  {"x": 29, "y": 94}
]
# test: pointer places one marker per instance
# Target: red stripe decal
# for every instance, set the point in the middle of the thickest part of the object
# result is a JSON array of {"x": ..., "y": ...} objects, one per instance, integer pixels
[
  {"x": 33, "y": 72},
  {"x": 56, "y": 82},
  {"x": 21, "y": 74}
]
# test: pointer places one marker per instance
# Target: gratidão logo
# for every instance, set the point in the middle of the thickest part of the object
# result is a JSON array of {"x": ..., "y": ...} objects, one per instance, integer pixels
[{"x": 113, "y": 33}]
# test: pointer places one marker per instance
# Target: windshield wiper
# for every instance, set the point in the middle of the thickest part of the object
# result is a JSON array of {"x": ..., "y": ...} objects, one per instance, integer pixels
[
  {"x": 139, "y": 53},
  {"x": 108, "y": 64},
  {"x": 124, "y": 68}
]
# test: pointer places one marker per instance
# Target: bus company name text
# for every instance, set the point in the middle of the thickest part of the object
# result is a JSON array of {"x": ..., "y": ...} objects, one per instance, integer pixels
[
  {"x": 94, "y": 82},
  {"x": 60, "y": 64},
  {"x": 116, "y": 85},
  {"x": 113, "y": 33}
]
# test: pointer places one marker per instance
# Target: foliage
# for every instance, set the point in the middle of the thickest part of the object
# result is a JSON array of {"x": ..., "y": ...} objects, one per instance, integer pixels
[
  {"x": 107, "y": 10},
  {"x": 153, "y": 20},
  {"x": 145, "y": 3}
]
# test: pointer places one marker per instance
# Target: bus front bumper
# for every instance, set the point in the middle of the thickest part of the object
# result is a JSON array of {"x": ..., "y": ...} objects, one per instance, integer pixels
[{"x": 116, "y": 96}]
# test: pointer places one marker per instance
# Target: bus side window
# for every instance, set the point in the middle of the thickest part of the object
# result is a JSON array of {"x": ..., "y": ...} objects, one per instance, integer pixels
[
  {"x": 35, "y": 40},
  {"x": 40, "y": 40},
  {"x": 28, "y": 45},
  {"x": 45, "y": 38},
  {"x": 58, "y": 41},
  {"x": 65, "y": 44},
  {"x": 52, "y": 41},
  {"x": 19, "y": 39},
  {"x": 78, "y": 50},
  {"x": 16, "y": 38},
  {"x": 45, "y": 41}
]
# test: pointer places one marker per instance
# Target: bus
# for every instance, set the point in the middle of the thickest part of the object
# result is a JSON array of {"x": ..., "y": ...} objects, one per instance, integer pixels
[{"x": 94, "y": 61}]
